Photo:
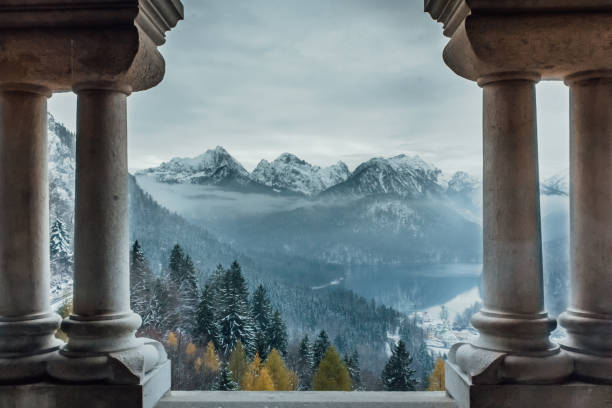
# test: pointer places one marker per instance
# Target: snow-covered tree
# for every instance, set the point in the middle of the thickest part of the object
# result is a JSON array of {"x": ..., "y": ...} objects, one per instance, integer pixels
[
  {"x": 59, "y": 246},
  {"x": 234, "y": 316},
  {"x": 262, "y": 316},
  {"x": 277, "y": 334},
  {"x": 206, "y": 324},
  {"x": 398, "y": 374},
  {"x": 225, "y": 381},
  {"x": 140, "y": 284},
  {"x": 319, "y": 348},
  {"x": 305, "y": 364},
  {"x": 354, "y": 369}
]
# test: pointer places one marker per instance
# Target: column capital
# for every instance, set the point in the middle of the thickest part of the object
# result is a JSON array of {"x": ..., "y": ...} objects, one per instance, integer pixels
[
  {"x": 66, "y": 42},
  {"x": 552, "y": 38}
]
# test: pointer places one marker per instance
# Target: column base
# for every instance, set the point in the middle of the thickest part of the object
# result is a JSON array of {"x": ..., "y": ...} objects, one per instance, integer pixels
[
  {"x": 588, "y": 344},
  {"x": 570, "y": 395},
  {"x": 56, "y": 395},
  {"x": 26, "y": 346},
  {"x": 129, "y": 366},
  {"x": 487, "y": 367}
]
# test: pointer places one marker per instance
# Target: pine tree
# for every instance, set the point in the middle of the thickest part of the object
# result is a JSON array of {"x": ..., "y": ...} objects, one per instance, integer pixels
[
  {"x": 59, "y": 248},
  {"x": 234, "y": 319},
  {"x": 238, "y": 362},
  {"x": 280, "y": 374},
  {"x": 320, "y": 348},
  {"x": 352, "y": 365},
  {"x": 206, "y": 328},
  {"x": 188, "y": 296},
  {"x": 141, "y": 279},
  {"x": 332, "y": 374},
  {"x": 162, "y": 314},
  {"x": 398, "y": 374},
  {"x": 176, "y": 264},
  {"x": 437, "y": 378},
  {"x": 225, "y": 380},
  {"x": 262, "y": 318},
  {"x": 277, "y": 333},
  {"x": 305, "y": 364}
]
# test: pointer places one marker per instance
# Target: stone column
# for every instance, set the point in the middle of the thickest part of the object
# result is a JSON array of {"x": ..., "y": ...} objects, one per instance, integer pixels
[
  {"x": 102, "y": 328},
  {"x": 589, "y": 318},
  {"x": 514, "y": 329},
  {"x": 27, "y": 325}
]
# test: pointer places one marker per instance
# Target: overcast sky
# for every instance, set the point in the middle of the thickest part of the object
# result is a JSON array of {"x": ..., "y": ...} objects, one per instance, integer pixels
[{"x": 326, "y": 80}]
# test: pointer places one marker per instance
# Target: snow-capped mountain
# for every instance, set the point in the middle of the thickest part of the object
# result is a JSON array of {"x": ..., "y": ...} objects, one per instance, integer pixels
[
  {"x": 401, "y": 175},
  {"x": 216, "y": 167},
  {"x": 289, "y": 172}
]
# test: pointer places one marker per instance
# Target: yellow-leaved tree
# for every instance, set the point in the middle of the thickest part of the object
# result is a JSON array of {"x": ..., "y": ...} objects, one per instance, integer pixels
[
  {"x": 256, "y": 377},
  {"x": 211, "y": 359},
  {"x": 238, "y": 362},
  {"x": 283, "y": 378},
  {"x": 332, "y": 374},
  {"x": 264, "y": 381},
  {"x": 436, "y": 379}
]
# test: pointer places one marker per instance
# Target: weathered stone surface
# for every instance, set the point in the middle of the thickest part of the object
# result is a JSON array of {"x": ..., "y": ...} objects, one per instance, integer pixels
[
  {"x": 27, "y": 325},
  {"x": 588, "y": 320},
  {"x": 569, "y": 395},
  {"x": 314, "y": 399},
  {"x": 62, "y": 43},
  {"x": 54, "y": 395}
]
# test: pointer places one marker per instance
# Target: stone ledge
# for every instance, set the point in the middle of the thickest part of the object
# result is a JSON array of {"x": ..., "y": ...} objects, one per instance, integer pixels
[
  {"x": 570, "y": 395},
  {"x": 61, "y": 395},
  {"x": 305, "y": 399}
]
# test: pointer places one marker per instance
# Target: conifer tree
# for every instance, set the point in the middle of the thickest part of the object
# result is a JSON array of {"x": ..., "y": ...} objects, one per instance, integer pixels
[
  {"x": 332, "y": 374},
  {"x": 352, "y": 365},
  {"x": 140, "y": 285},
  {"x": 319, "y": 349},
  {"x": 225, "y": 380},
  {"x": 59, "y": 248},
  {"x": 305, "y": 364},
  {"x": 163, "y": 315},
  {"x": 206, "y": 328},
  {"x": 281, "y": 376},
  {"x": 234, "y": 319},
  {"x": 262, "y": 318},
  {"x": 436, "y": 379},
  {"x": 238, "y": 362},
  {"x": 398, "y": 374},
  {"x": 175, "y": 266},
  {"x": 277, "y": 334}
]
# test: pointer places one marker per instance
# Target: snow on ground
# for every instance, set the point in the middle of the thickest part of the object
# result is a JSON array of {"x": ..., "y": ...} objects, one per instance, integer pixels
[
  {"x": 455, "y": 306},
  {"x": 440, "y": 333},
  {"x": 332, "y": 283}
]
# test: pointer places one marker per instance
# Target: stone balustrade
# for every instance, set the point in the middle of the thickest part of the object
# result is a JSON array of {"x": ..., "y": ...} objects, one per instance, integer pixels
[
  {"x": 506, "y": 46},
  {"x": 101, "y": 50}
]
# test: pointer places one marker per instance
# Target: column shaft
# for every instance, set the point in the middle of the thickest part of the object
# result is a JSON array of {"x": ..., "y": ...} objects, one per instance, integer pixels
[
  {"x": 101, "y": 210},
  {"x": 102, "y": 345},
  {"x": 27, "y": 325},
  {"x": 589, "y": 317},
  {"x": 513, "y": 317},
  {"x": 102, "y": 320},
  {"x": 513, "y": 343}
]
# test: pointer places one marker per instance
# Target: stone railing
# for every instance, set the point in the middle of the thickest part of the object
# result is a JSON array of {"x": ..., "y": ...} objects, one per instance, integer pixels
[{"x": 306, "y": 399}]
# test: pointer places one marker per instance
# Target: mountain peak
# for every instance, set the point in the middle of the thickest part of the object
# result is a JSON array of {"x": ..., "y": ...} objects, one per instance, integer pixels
[{"x": 290, "y": 173}]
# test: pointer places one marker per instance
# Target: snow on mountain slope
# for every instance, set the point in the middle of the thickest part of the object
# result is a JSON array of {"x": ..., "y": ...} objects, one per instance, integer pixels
[
  {"x": 215, "y": 167},
  {"x": 400, "y": 175},
  {"x": 61, "y": 171},
  {"x": 290, "y": 173}
]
